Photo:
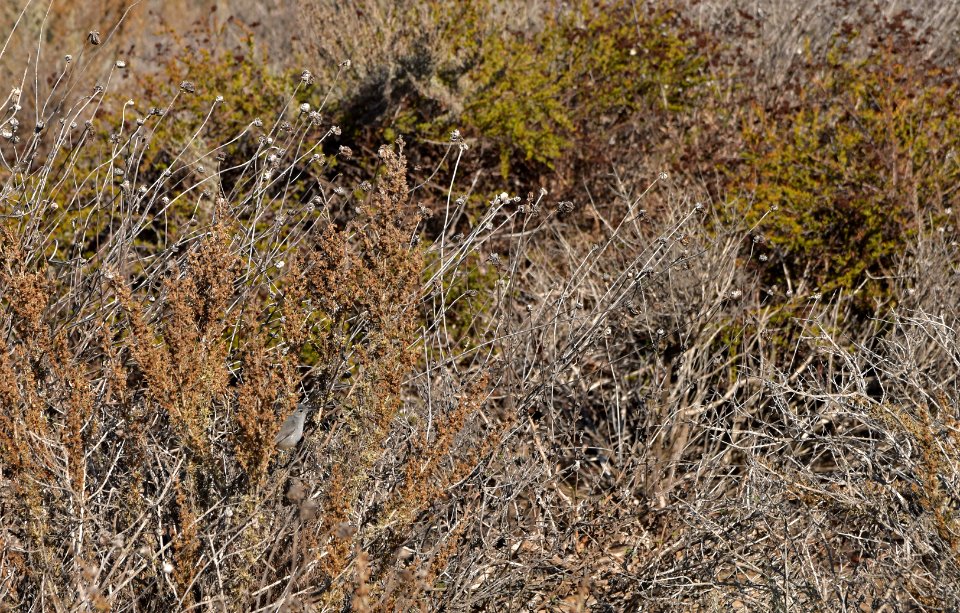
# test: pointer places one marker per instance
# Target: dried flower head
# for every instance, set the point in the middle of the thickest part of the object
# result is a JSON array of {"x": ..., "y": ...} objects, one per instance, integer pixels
[
  {"x": 94, "y": 37},
  {"x": 345, "y": 152},
  {"x": 188, "y": 87},
  {"x": 306, "y": 77}
]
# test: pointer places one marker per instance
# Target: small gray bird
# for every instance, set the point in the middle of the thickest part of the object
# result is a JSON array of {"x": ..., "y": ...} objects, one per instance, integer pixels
[{"x": 292, "y": 429}]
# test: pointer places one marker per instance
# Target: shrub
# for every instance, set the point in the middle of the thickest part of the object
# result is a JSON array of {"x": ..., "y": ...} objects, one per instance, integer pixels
[
  {"x": 854, "y": 167},
  {"x": 527, "y": 92}
]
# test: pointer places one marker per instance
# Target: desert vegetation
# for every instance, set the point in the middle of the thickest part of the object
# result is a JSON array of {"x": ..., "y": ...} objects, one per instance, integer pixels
[{"x": 597, "y": 306}]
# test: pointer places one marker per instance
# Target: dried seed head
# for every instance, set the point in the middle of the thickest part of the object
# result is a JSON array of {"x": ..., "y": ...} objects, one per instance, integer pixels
[
  {"x": 306, "y": 77},
  {"x": 121, "y": 64},
  {"x": 305, "y": 108},
  {"x": 346, "y": 152},
  {"x": 188, "y": 87},
  {"x": 94, "y": 37}
]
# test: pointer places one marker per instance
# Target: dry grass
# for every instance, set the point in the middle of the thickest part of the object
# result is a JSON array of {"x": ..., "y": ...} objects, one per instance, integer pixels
[{"x": 518, "y": 403}]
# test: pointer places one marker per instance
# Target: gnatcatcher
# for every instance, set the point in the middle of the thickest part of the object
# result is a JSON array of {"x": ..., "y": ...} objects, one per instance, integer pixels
[{"x": 292, "y": 429}]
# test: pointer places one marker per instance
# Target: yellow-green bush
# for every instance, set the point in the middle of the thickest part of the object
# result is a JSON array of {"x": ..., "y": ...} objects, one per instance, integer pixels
[
  {"x": 533, "y": 94},
  {"x": 537, "y": 94},
  {"x": 852, "y": 169},
  {"x": 226, "y": 88}
]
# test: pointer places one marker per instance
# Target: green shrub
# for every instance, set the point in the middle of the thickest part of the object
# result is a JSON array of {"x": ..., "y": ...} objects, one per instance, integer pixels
[
  {"x": 540, "y": 97},
  {"x": 532, "y": 96},
  {"x": 847, "y": 174}
]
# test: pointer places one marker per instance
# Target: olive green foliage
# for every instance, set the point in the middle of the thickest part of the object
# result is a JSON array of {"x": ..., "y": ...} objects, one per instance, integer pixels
[
  {"x": 853, "y": 169},
  {"x": 532, "y": 92},
  {"x": 538, "y": 95},
  {"x": 226, "y": 89}
]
